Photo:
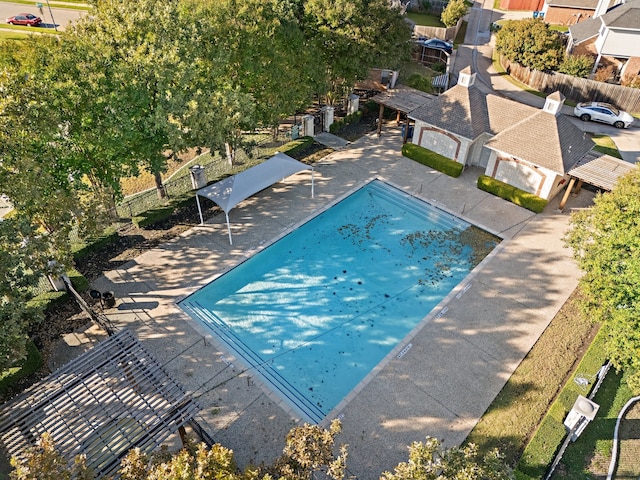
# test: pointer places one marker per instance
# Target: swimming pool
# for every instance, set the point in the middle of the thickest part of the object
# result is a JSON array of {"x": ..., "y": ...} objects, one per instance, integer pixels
[{"x": 313, "y": 313}]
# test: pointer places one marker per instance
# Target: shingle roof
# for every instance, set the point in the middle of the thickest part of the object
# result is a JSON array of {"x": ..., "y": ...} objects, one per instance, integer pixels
[
  {"x": 625, "y": 16},
  {"x": 583, "y": 4},
  {"x": 468, "y": 112},
  {"x": 585, "y": 30},
  {"x": 544, "y": 139}
]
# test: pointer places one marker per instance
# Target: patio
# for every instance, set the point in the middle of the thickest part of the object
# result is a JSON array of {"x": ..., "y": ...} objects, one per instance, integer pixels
[{"x": 456, "y": 364}]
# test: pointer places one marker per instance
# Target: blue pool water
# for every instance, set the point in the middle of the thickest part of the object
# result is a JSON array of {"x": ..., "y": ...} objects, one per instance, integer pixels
[{"x": 313, "y": 313}]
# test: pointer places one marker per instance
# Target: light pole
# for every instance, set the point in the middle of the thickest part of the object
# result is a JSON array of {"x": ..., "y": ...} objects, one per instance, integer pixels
[{"x": 52, "y": 19}]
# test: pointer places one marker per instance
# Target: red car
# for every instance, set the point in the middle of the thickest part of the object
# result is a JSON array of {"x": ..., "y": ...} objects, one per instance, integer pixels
[{"x": 25, "y": 19}]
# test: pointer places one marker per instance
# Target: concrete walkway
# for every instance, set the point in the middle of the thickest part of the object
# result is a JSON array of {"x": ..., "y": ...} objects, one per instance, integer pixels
[{"x": 465, "y": 352}]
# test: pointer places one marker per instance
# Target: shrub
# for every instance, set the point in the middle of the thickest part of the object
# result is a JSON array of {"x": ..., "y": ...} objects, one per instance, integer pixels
[
  {"x": 439, "y": 67},
  {"x": 152, "y": 216},
  {"x": 577, "y": 65},
  {"x": 530, "y": 43},
  {"x": 514, "y": 195},
  {"x": 48, "y": 300},
  {"x": 348, "y": 120},
  {"x": 26, "y": 367},
  {"x": 604, "y": 74},
  {"x": 432, "y": 159},
  {"x": 294, "y": 147},
  {"x": 419, "y": 82}
]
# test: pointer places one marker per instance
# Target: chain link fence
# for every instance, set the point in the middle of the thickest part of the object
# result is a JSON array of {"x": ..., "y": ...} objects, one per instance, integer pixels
[{"x": 215, "y": 168}]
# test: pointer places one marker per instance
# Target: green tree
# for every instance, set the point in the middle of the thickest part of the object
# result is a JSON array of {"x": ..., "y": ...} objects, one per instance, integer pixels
[
  {"x": 142, "y": 54},
  {"x": 530, "y": 43},
  {"x": 32, "y": 174},
  {"x": 606, "y": 243},
  {"x": 429, "y": 460},
  {"x": 454, "y": 11},
  {"x": 24, "y": 256},
  {"x": 348, "y": 40},
  {"x": 264, "y": 56},
  {"x": 577, "y": 65}
]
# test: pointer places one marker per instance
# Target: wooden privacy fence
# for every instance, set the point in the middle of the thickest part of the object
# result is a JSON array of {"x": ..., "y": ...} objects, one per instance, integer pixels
[
  {"x": 437, "y": 32},
  {"x": 574, "y": 88}
]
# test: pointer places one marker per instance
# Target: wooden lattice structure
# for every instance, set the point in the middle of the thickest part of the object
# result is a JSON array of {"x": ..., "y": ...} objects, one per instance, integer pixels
[
  {"x": 601, "y": 171},
  {"x": 403, "y": 100},
  {"x": 111, "y": 399}
]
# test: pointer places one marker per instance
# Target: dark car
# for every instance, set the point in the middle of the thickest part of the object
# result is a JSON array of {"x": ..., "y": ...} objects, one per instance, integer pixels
[
  {"x": 25, "y": 19},
  {"x": 438, "y": 44}
]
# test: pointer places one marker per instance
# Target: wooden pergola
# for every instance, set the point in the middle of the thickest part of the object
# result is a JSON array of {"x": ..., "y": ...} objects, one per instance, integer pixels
[
  {"x": 111, "y": 399},
  {"x": 597, "y": 169},
  {"x": 403, "y": 100}
]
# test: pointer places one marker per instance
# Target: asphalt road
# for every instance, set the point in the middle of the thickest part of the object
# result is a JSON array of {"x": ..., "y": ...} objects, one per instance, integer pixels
[{"x": 61, "y": 16}]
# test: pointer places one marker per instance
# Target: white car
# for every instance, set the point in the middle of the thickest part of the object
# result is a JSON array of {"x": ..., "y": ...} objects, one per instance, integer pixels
[{"x": 603, "y": 112}]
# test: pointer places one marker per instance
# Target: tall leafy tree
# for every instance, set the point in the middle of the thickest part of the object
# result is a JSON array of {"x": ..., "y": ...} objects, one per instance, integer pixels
[
  {"x": 25, "y": 253},
  {"x": 606, "y": 243},
  {"x": 265, "y": 55},
  {"x": 454, "y": 11},
  {"x": 352, "y": 36},
  {"x": 144, "y": 49},
  {"x": 531, "y": 43}
]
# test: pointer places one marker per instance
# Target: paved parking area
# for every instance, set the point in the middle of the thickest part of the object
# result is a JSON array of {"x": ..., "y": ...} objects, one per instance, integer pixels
[{"x": 457, "y": 363}]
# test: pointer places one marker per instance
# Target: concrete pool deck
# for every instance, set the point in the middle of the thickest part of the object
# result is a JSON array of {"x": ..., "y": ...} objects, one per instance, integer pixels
[{"x": 446, "y": 375}]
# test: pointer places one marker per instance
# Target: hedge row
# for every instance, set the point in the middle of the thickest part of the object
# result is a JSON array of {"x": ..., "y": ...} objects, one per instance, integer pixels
[
  {"x": 514, "y": 195},
  {"x": 432, "y": 159},
  {"x": 47, "y": 301},
  {"x": 84, "y": 248},
  {"x": 336, "y": 126},
  {"x": 28, "y": 366},
  {"x": 542, "y": 448}
]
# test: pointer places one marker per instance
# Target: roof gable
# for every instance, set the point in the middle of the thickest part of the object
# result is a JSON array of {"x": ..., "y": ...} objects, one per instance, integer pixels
[
  {"x": 469, "y": 112},
  {"x": 544, "y": 139},
  {"x": 625, "y": 16}
]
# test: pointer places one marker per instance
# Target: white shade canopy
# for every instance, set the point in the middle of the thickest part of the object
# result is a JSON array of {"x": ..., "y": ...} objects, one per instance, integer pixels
[{"x": 231, "y": 191}]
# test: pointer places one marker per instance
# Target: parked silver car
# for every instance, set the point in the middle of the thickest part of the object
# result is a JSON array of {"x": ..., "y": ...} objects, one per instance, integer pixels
[{"x": 603, "y": 112}]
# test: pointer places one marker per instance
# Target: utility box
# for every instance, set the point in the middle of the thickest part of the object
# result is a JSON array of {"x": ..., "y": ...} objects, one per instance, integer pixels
[
  {"x": 295, "y": 131},
  {"x": 583, "y": 411},
  {"x": 198, "y": 177},
  {"x": 353, "y": 104},
  {"x": 308, "y": 126},
  {"x": 327, "y": 112}
]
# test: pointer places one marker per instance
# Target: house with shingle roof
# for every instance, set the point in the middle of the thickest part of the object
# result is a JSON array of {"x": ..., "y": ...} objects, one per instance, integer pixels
[
  {"x": 527, "y": 147},
  {"x": 571, "y": 12},
  {"x": 614, "y": 34}
]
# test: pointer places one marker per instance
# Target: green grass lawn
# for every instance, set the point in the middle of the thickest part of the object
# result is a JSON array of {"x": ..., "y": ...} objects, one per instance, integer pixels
[
  {"x": 425, "y": 19},
  {"x": 516, "y": 412},
  {"x": 77, "y": 4},
  {"x": 588, "y": 457},
  {"x": 604, "y": 144},
  {"x": 13, "y": 35}
]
